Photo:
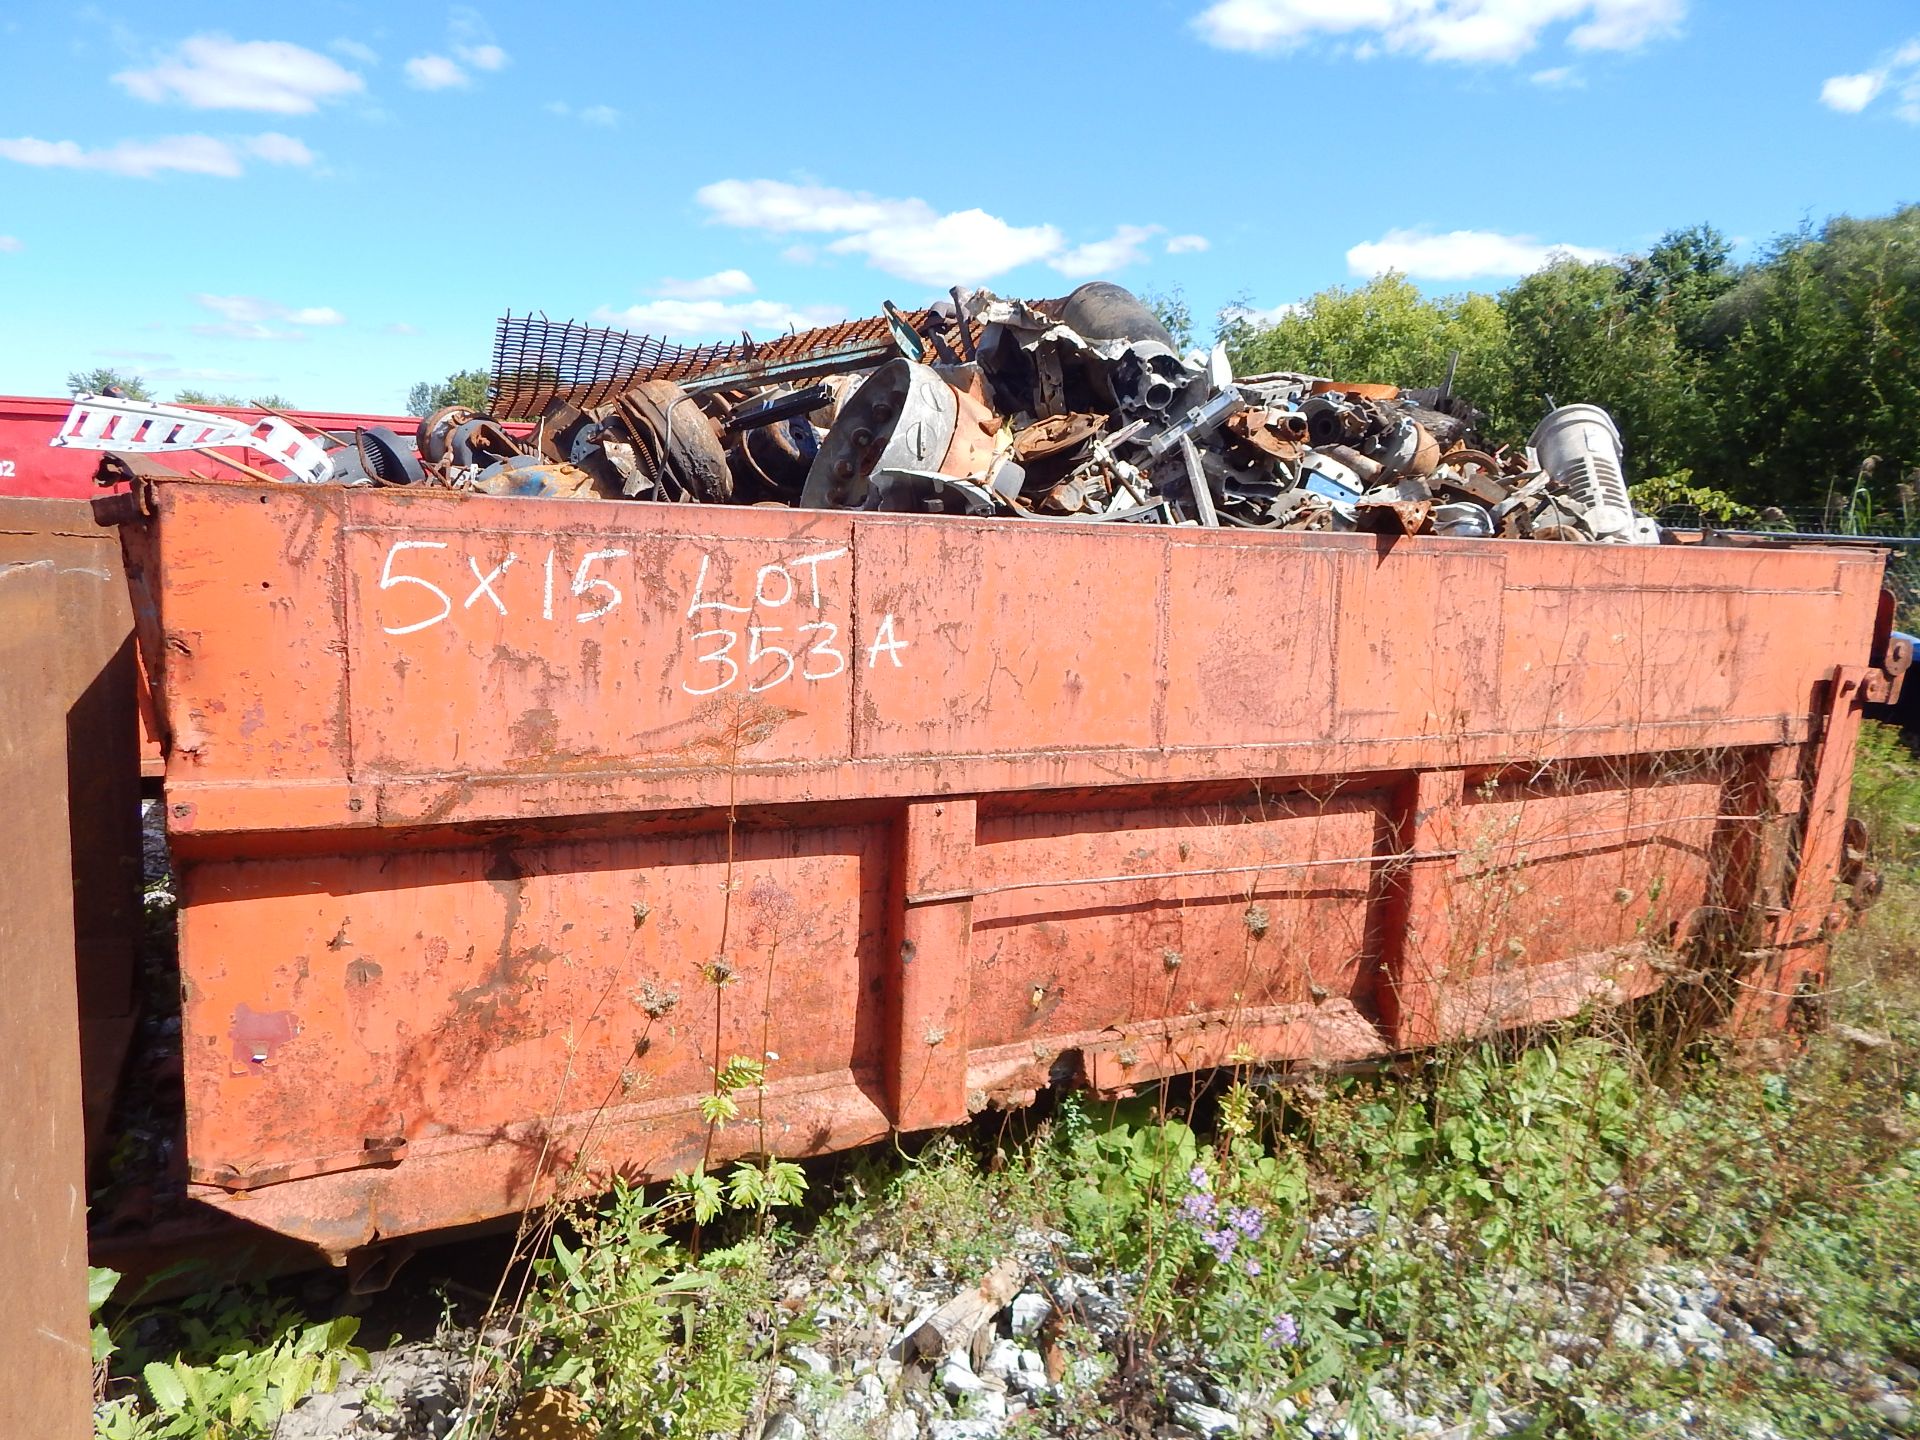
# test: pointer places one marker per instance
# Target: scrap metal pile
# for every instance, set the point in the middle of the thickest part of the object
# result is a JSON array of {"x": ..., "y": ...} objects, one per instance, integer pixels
[{"x": 1078, "y": 409}]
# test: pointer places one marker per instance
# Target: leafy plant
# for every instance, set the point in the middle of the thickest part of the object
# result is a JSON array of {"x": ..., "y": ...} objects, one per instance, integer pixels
[
  {"x": 646, "y": 1334},
  {"x": 245, "y": 1392}
]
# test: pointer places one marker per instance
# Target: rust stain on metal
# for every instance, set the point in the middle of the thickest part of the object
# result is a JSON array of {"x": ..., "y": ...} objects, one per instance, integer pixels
[{"x": 257, "y": 1035}]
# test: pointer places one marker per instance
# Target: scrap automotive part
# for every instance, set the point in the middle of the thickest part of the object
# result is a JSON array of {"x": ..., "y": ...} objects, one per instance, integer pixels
[{"x": 1080, "y": 409}]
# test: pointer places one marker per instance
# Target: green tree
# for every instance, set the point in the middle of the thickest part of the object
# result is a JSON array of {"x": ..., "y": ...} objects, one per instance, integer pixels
[
  {"x": 1683, "y": 276},
  {"x": 1385, "y": 330},
  {"x": 1171, "y": 307},
  {"x": 1818, "y": 365},
  {"x": 463, "y": 387},
  {"x": 231, "y": 402},
  {"x": 102, "y": 378},
  {"x": 1584, "y": 333}
]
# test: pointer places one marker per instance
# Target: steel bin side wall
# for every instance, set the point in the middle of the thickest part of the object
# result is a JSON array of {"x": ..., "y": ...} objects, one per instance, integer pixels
[{"x": 1007, "y": 799}]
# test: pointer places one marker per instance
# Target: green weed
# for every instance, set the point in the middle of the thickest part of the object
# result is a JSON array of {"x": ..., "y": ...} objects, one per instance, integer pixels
[{"x": 225, "y": 1364}]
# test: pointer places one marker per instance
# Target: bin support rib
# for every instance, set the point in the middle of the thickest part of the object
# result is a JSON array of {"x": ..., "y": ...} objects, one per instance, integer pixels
[
  {"x": 1808, "y": 926},
  {"x": 930, "y": 980},
  {"x": 1415, "y": 935}
]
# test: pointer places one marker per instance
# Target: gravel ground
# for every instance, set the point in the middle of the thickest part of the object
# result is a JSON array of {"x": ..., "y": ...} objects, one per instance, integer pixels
[{"x": 1045, "y": 1364}]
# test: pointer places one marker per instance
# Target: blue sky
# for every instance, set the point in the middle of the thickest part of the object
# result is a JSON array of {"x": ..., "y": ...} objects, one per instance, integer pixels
[{"x": 334, "y": 200}]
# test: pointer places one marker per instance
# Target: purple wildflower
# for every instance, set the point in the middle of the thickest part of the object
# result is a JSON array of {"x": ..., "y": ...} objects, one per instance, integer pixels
[
  {"x": 1221, "y": 1242},
  {"x": 1198, "y": 1207},
  {"x": 1253, "y": 1268},
  {"x": 1197, "y": 1177},
  {"x": 1283, "y": 1331},
  {"x": 1248, "y": 1220}
]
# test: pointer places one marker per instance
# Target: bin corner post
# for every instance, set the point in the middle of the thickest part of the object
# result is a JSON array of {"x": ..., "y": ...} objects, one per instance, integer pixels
[
  {"x": 930, "y": 962},
  {"x": 1805, "y": 932},
  {"x": 1415, "y": 939},
  {"x": 46, "y": 1370}
]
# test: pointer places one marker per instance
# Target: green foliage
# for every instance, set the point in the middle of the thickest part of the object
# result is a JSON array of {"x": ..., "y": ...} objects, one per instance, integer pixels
[
  {"x": 222, "y": 1363},
  {"x": 761, "y": 1188},
  {"x": 1586, "y": 333},
  {"x": 102, "y": 378},
  {"x": 100, "y": 1287},
  {"x": 602, "y": 1311},
  {"x": 653, "y": 1340},
  {"x": 1763, "y": 384},
  {"x": 1172, "y": 310},
  {"x": 233, "y": 1365},
  {"x": 1886, "y": 792},
  {"x": 1519, "y": 1144},
  {"x": 463, "y": 387},
  {"x": 1817, "y": 366},
  {"x": 245, "y": 1393},
  {"x": 1385, "y": 330},
  {"x": 943, "y": 1201},
  {"x": 1119, "y": 1173},
  {"x": 1665, "y": 494}
]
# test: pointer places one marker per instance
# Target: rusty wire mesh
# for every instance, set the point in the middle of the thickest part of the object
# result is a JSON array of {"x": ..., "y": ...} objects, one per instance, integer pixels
[{"x": 537, "y": 361}]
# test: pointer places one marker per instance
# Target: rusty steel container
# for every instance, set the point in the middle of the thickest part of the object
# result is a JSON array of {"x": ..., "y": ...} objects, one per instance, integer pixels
[{"x": 501, "y": 824}]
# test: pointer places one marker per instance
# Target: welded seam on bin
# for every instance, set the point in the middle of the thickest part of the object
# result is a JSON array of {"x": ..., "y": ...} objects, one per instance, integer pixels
[{"x": 345, "y": 617}]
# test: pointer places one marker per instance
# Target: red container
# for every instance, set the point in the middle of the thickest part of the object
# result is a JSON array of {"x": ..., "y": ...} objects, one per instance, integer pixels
[
  {"x": 502, "y": 823},
  {"x": 31, "y": 465}
]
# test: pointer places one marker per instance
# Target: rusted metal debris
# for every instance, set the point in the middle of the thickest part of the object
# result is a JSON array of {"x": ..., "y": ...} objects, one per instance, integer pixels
[{"x": 1074, "y": 409}]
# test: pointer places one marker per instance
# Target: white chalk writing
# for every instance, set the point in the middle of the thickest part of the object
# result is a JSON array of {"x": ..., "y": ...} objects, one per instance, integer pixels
[{"x": 757, "y": 636}]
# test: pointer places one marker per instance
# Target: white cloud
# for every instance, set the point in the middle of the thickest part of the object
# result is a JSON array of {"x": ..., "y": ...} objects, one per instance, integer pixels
[
  {"x": 11, "y": 245},
  {"x": 1850, "y": 94},
  {"x": 278, "y": 149},
  {"x": 1102, "y": 257},
  {"x": 355, "y": 50},
  {"x": 238, "y": 307},
  {"x": 907, "y": 237},
  {"x": 1270, "y": 316},
  {"x": 1899, "y": 72},
  {"x": 706, "y": 319},
  {"x": 965, "y": 247},
  {"x": 717, "y": 286},
  {"x": 604, "y": 116},
  {"x": 473, "y": 40},
  {"x": 248, "y": 317},
  {"x": 1459, "y": 254},
  {"x": 217, "y": 72},
  {"x": 434, "y": 72},
  {"x": 241, "y": 330},
  {"x": 1187, "y": 244},
  {"x": 400, "y": 327},
  {"x": 189, "y": 154},
  {"x": 779, "y": 206},
  {"x": 1470, "y": 30},
  {"x": 1559, "y": 77}
]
